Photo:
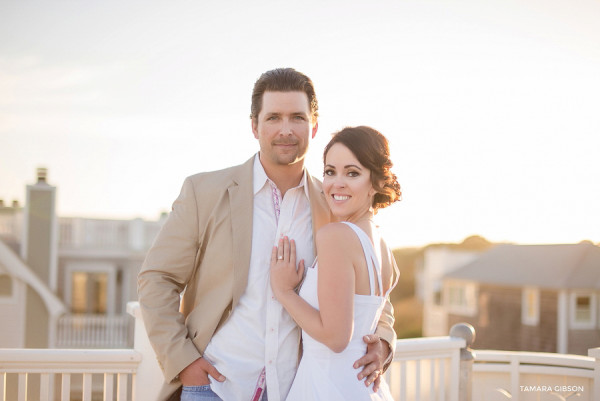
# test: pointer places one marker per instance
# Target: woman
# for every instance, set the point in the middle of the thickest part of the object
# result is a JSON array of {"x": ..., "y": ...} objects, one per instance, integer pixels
[{"x": 344, "y": 292}]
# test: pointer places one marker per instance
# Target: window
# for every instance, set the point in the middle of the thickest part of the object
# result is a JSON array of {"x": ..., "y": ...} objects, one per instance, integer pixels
[
  {"x": 6, "y": 286},
  {"x": 583, "y": 310},
  {"x": 88, "y": 293},
  {"x": 530, "y": 306},
  {"x": 461, "y": 298}
]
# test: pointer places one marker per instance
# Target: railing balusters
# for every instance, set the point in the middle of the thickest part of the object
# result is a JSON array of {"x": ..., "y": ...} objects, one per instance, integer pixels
[
  {"x": 108, "y": 386},
  {"x": 403, "y": 381},
  {"x": 418, "y": 380},
  {"x": 432, "y": 376},
  {"x": 65, "y": 387},
  {"x": 121, "y": 387},
  {"x": 45, "y": 387},
  {"x": 22, "y": 386},
  {"x": 87, "y": 387},
  {"x": 443, "y": 380},
  {"x": 3, "y": 386},
  {"x": 93, "y": 331}
]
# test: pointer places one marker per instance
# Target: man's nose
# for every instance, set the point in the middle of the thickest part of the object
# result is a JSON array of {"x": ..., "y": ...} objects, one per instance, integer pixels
[{"x": 286, "y": 128}]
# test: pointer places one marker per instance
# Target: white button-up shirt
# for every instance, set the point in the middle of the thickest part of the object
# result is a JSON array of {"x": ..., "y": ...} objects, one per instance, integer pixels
[{"x": 260, "y": 333}]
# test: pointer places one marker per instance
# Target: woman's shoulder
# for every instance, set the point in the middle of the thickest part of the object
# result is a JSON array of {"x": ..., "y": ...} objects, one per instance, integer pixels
[{"x": 339, "y": 234}]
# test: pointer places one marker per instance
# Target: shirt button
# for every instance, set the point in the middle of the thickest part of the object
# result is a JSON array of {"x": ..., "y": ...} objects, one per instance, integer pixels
[{"x": 272, "y": 329}]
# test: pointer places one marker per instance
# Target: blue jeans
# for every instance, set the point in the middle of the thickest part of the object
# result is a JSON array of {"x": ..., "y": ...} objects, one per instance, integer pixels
[
  {"x": 198, "y": 393},
  {"x": 204, "y": 393}
]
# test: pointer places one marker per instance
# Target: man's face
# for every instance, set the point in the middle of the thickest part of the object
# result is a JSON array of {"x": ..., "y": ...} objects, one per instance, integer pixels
[{"x": 283, "y": 128}]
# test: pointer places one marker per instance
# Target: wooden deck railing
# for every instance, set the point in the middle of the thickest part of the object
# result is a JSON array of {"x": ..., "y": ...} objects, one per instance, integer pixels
[
  {"x": 94, "y": 331},
  {"x": 424, "y": 369},
  {"x": 67, "y": 374}
]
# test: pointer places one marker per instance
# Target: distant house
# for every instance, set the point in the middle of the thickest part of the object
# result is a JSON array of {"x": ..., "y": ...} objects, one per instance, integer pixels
[
  {"x": 436, "y": 263},
  {"x": 65, "y": 281},
  {"x": 542, "y": 298}
]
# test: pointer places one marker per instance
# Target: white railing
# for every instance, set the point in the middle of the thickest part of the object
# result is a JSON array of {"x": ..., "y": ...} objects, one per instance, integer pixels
[
  {"x": 53, "y": 374},
  {"x": 83, "y": 233},
  {"x": 519, "y": 376},
  {"x": 425, "y": 369},
  {"x": 94, "y": 331},
  {"x": 432, "y": 369}
]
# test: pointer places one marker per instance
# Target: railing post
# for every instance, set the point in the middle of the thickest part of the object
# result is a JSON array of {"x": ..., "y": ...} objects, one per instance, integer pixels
[
  {"x": 149, "y": 377},
  {"x": 467, "y": 356},
  {"x": 595, "y": 353}
]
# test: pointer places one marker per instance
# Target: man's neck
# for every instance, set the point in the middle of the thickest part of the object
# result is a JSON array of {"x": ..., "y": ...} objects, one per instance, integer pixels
[{"x": 285, "y": 177}]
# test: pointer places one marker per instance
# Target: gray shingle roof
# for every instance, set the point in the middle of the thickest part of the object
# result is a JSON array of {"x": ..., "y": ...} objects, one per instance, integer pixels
[{"x": 567, "y": 266}]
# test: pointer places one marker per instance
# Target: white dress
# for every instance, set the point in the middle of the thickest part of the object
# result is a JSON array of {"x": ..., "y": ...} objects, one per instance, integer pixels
[{"x": 329, "y": 376}]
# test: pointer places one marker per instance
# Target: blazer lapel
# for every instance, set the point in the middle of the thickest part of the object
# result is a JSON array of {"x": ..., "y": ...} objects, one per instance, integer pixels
[
  {"x": 318, "y": 205},
  {"x": 241, "y": 202}
]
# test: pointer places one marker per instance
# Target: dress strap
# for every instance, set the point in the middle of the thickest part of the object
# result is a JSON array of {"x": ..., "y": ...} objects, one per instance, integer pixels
[{"x": 371, "y": 256}]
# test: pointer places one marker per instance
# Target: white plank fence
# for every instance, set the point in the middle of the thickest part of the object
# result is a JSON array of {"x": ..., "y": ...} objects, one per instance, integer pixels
[{"x": 424, "y": 369}]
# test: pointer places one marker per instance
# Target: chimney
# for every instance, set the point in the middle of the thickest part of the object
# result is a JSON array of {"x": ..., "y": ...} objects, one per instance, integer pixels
[
  {"x": 42, "y": 173},
  {"x": 39, "y": 250}
]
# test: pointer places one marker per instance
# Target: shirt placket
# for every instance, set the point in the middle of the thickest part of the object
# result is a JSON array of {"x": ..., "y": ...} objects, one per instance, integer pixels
[{"x": 268, "y": 376}]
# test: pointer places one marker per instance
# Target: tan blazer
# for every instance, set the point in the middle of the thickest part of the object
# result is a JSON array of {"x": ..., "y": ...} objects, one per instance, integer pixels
[{"x": 204, "y": 248}]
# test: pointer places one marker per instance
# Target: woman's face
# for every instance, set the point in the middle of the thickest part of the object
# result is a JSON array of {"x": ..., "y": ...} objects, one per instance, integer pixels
[{"x": 346, "y": 183}]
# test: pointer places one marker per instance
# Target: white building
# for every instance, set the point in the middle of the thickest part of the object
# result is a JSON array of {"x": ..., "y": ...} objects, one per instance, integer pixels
[{"x": 65, "y": 281}]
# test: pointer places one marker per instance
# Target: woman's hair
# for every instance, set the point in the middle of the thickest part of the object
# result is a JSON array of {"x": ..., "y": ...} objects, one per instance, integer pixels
[{"x": 372, "y": 151}]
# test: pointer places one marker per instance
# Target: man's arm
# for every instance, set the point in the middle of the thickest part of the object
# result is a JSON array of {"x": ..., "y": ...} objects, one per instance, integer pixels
[
  {"x": 167, "y": 268},
  {"x": 380, "y": 349},
  {"x": 382, "y": 345}
]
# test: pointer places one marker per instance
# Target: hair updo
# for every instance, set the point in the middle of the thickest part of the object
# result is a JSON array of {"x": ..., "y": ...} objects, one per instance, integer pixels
[{"x": 371, "y": 149}]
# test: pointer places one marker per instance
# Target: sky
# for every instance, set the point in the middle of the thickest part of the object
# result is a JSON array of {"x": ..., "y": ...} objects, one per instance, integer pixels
[{"x": 491, "y": 107}]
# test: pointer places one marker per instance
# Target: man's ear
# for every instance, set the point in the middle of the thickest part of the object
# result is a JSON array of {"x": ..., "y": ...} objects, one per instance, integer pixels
[{"x": 254, "y": 124}]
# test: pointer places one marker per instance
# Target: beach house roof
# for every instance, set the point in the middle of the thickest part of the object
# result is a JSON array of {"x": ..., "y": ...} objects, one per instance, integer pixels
[{"x": 564, "y": 266}]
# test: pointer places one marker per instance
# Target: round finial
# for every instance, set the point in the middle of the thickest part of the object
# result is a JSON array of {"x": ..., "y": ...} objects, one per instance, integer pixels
[{"x": 464, "y": 331}]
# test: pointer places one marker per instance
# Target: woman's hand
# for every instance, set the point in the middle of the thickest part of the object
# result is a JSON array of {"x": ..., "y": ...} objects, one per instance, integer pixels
[{"x": 284, "y": 275}]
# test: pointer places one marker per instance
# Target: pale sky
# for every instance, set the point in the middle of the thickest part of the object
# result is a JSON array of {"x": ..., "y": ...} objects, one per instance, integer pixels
[{"x": 491, "y": 107}]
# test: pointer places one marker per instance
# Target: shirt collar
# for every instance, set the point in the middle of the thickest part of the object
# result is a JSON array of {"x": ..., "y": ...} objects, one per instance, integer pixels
[{"x": 261, "y": 178}]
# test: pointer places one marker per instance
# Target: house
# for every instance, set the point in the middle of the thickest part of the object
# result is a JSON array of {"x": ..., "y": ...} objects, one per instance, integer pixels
[
  {"x": 542, "y": 298},
  {"x": 436, "y": 261},
  {"x": 65, "y": 281}
]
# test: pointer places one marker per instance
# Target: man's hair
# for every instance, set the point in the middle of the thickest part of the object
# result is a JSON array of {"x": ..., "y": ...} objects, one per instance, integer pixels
[{"x": 283, "y": 80}]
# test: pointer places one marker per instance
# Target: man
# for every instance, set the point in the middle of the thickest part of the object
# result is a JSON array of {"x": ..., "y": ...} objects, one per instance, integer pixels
[{"x": 230, "y": 339}]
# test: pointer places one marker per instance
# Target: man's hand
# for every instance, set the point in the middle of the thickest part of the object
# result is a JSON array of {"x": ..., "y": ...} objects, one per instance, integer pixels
[
  {"x": 196, "y": 373},
  {"x": 372, "y": 361}
]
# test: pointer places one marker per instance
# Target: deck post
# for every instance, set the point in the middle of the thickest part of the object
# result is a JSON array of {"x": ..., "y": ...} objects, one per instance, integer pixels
[
  {"x": 595, "y": 353},
  {"x": 467, "y": 356},
  {"x": 149, "y": 377}
]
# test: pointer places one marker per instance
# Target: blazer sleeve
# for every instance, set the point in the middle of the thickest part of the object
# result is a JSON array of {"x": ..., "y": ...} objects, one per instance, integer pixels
[
  {"x": 385, "y": 330},
  {"x": 385, "y": 327},
  {"x": 168, "y": 266}
]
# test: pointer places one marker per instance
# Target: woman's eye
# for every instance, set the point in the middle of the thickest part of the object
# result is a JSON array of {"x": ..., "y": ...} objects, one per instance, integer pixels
[
  {"x": 353, "y": 174},
  {"x": 328, "y": 172}
]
